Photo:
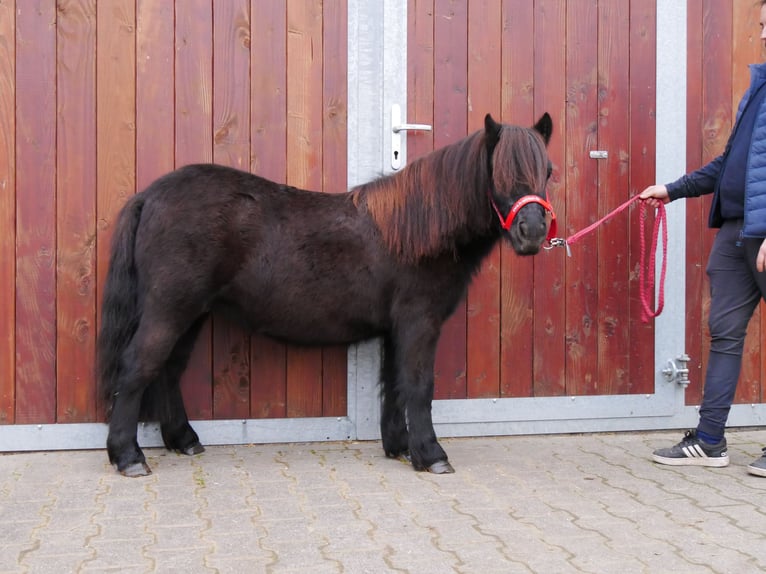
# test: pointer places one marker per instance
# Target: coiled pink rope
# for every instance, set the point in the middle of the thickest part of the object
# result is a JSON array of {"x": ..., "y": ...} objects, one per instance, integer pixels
[{"x": 646, "y": 271}]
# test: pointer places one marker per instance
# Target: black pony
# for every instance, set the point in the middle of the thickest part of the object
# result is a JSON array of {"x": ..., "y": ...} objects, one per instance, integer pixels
[{"x": 389, "y": 259}]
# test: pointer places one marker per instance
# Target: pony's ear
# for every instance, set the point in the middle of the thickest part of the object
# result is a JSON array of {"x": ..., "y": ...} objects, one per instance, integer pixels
[
  {"x": 492, "y": 129},
  {"x": 544, "y": 127}
]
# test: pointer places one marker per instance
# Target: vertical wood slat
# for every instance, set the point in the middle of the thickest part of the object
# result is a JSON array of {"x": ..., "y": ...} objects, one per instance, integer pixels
[
  {"x": 155, "y": 100},
  {"x": 613, "y": 236},
  {"x": 75, "y": 211},
  {"x": 717, "y": 119},
  {"x": 746, "y": 49},
  {"x": 696, "y": 216},
  {"x": 304, "y": 163},
  {"x": 550, "y": 94},
  {"x": 420, "y": 75},
  {"x": 115, "y": 121},
  {"x": 450, "y": 124},
  {"x": 483, "y": 301},
  {"x": 334, "y": 173},
  {"x": 231, "y": 147},
  {"x": 35, "y": 212},
  {"x": 517, "y": 282},
  {"x": 7, "y": 211},
  {"x": 194, "y": 144},
  {"x": 581, "y": 176},
  {"x": 643, "y": 41},
  {"x": 268, "y": 140}
]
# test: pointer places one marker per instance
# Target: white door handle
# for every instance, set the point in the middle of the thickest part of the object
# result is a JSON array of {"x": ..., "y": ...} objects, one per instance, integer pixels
[
  {"x": 396, "y": 137},
  {"x": 405, "y": 127}
]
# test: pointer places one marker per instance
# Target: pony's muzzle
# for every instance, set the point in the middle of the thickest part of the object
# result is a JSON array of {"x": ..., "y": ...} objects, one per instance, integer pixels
[{"x": 530, "y": 229}]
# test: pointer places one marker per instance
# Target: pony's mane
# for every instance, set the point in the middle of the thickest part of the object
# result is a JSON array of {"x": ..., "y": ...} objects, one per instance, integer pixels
[{"x": 440, "y": 200}]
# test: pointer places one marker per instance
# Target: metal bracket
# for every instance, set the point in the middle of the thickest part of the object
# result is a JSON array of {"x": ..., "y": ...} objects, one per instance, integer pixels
[
  {"x": 396, "y": 137},
  {"x": 677, "y": 370},
  {"x": 599, "y": 154}
]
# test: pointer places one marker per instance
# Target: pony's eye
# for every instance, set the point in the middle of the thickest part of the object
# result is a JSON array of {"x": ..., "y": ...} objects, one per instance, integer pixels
[{"x": 550, "y": 171}]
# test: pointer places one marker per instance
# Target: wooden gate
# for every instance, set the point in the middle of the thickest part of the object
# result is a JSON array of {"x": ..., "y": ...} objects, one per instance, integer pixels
[
  {"x": 554, "y": 325},
  {"x": 549, "y": 325},
  {"x": 99, "y": 98}
]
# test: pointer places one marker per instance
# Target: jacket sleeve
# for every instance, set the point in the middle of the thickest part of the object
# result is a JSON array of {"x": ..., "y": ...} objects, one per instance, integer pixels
[{"x": 700, "y": 182}]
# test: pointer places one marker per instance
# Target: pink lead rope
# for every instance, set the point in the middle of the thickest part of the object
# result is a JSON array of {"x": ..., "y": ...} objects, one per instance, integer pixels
[{"x": 646, "y": 272}]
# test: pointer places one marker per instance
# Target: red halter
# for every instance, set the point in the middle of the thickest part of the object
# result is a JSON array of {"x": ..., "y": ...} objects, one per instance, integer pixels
[{"x": 521, "y": 202}]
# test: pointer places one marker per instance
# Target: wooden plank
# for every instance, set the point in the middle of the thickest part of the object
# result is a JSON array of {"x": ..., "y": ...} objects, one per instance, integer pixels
[
  {"x": 194, "y": 143},
  {"x": 642, "y": 114},
  {"x": 334, "y": 173},
  {"x": 746, "y": 49},
  {"x": 155, "y": 99},
  {"x": 696, "y": 216},
  {"x": 483, "y": 302},
  {"x": 550, "y": 96},
  {"x": 115, "y": 121},
  {"x": 717, "y": 120},
  {"x": 268, "y": 142},
  {"x": 450, "y": 125},
  {"x": 36, "y": 213},
  {"x": 613, "y": 235},
  {"x": 76, "y": 212},
  {"x": 516, "y": 290},
  {"x": 420, "y": 75},
  {"x": 582, "y": 177},
  {"x": 304, "y": 157},
  {"x": 7, "y": 211},
  {"x": 231, "y": 146}
]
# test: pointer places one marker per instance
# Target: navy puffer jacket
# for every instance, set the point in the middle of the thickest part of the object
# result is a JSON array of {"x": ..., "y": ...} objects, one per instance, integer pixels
[{"x": 706, "y": 179}]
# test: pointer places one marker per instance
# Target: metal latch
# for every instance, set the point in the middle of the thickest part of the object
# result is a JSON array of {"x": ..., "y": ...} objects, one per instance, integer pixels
[
  {"x": 599, "y": 154},
  {"x": 677, "y": 370},
  {"x": 396, "y": 136}
]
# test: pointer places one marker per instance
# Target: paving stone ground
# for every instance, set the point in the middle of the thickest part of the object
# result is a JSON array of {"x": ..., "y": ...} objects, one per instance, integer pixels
[{"x": 548, "y": 504}]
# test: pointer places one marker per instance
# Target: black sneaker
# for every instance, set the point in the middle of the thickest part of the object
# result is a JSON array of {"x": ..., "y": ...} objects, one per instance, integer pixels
[
  {"x": 758, "y": 466},
  {"x": 694, "y": 452}
]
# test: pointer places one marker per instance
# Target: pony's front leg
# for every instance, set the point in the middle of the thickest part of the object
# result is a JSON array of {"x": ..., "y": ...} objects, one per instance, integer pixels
[
  {"x": 425, "y": 451},
  {"x": 416, "y": 384}
]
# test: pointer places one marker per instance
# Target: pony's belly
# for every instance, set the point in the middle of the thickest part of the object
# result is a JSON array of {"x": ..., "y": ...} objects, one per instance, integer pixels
[{"x": 309, "y": 333}]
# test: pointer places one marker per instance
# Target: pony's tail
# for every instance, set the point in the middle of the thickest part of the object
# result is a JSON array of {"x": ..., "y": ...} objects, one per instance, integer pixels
[{"x": 120, "y": 313}]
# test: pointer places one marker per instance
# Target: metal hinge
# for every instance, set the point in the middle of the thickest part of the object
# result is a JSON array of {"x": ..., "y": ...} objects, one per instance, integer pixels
[{"x": 677, "y": 370}]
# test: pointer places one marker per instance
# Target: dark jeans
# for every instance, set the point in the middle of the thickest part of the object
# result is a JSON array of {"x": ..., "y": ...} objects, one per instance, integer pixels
[{"x": 735, "y": 290}]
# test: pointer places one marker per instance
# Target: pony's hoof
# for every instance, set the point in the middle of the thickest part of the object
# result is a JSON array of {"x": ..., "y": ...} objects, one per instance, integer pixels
[
  {"x": 401, "y": 456},
  {"x": 441, "y": 467},
  {"x": 136, "y": 469},
  {"x": 193, "y": 449}
]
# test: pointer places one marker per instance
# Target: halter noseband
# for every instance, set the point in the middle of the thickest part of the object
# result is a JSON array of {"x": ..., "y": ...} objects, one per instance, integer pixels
[{"x": 521, "y": 202}]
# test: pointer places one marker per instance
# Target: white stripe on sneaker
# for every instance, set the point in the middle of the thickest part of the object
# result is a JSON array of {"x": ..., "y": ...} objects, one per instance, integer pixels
[{"x": 694, "y": 451}]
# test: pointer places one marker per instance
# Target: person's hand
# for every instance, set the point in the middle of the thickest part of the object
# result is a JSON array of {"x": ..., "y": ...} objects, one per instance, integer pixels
[
  {"x": 760, "y": 259},
  {"x": 655, "y": 195}
]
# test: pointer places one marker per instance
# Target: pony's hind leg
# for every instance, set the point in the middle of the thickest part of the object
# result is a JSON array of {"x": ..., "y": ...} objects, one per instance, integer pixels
[
  {"x": 144, "y": 368},
  {"x": 177, "y": 433},
  {"x": 393, "y": 424}
]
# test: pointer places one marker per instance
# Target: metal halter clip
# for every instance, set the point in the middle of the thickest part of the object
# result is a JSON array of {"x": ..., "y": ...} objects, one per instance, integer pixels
[{"x": 559, "y": 242}]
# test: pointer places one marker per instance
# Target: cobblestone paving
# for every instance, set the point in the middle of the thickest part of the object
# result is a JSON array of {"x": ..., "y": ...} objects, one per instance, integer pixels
[{"x": 548, "y": 504}]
